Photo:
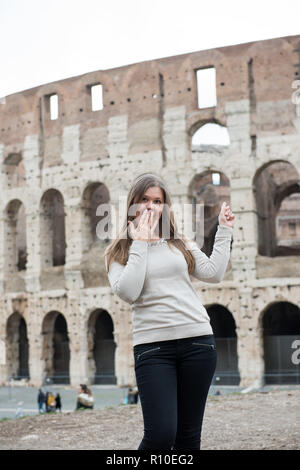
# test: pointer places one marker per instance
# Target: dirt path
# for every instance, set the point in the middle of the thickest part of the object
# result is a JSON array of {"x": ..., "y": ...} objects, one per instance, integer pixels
[{"x": 238, "y": 421}]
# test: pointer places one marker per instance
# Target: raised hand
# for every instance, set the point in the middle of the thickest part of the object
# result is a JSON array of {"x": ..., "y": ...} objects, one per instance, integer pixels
[
  {"x": 226, "y": 217},
  {"x": 145, "y": 228}
]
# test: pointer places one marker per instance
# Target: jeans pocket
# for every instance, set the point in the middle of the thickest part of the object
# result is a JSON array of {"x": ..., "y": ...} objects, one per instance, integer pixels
[
  {"x": 211, "y": 346},
  {"x": 147, "y": 351}
]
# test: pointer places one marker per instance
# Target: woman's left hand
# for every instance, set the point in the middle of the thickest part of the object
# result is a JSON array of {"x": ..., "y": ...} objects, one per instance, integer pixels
[{"x": 226, "y": 217}]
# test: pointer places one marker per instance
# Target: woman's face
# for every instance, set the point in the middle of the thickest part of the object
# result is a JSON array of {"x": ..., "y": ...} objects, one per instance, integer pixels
[{"x": 152, "y": 200}]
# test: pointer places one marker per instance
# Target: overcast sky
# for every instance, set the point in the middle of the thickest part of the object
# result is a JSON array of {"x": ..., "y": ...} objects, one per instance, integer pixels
[{"x": 46, "y": 40}]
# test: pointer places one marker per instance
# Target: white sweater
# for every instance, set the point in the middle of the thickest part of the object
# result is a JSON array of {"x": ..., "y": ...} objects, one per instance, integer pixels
[{"x": 156, "y": 282}]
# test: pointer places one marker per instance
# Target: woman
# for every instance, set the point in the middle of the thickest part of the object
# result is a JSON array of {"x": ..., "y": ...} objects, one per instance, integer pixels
[
  {"x": 85, "y": 398},
  {"x": 173, "y": 342}
]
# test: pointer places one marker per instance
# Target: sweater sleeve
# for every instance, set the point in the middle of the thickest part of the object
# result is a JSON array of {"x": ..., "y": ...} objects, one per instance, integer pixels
[
  {"x": 212, "y": 269},
  {"x": 127, "y": 281}
]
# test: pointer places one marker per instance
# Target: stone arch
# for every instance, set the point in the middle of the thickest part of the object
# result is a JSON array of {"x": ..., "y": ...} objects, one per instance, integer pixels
[
  {"x": 224, "y": 328},
  {"x": 206, "y": 193},
  {"x": 17, "y": 347},
  {"x": 15, "y": 240},
  {"x": 94, "y": 194},
  {"x": 55, "y": 348},
  {"x": 13, "y": 170},
  {"x": 209, "y": 134},
  {"x": 276, "y": 187},
  {"x": 279, "y": 324},
  {"x": 52, "y": 229},
  {"x": 101, "y": 348},
  {"x": 287, "y": 222},
  {"x": 94, "y": 228}
]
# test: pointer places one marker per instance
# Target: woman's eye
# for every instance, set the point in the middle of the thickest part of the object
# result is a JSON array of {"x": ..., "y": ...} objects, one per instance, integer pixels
[{"x": 144, "y": 198}]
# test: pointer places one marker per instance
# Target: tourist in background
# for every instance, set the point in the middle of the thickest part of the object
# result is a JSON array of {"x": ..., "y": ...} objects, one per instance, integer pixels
[
  {"x": 41, "y": 401},
  {"x": 85, "y": 399}
]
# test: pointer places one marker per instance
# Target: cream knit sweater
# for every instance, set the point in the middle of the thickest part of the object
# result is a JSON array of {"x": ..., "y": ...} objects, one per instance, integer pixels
[{"x": 156, "y": 282}]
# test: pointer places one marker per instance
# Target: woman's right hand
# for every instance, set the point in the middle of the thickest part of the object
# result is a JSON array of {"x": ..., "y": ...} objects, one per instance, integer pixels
[{"x": 145, "y": 228}]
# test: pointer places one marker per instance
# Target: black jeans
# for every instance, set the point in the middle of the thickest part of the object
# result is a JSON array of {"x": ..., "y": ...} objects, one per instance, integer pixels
[{"x": 173, "y": 379}]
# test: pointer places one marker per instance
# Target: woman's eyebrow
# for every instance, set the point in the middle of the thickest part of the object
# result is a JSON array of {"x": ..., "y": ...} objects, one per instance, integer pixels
[{"x": 153, "y": 197}]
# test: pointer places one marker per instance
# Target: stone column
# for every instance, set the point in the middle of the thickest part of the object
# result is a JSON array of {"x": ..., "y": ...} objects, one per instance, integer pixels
[
  {"x": 35, "y": 341},
  {"x": 243, "y": 261},
  {"x": 78, "y": 340},
  {"x": 250, "y": 354},
  {"x": 244, "y": 248},
  {"x": 33, "y": 266},
  {"x": 36, "y": 365},
  {"x": 32, "y": 156},
  {"x": 73, "y": 277},
  {"x": 2, "y": 226},
  {"x": 175, "y": 137},
  {"x": 124, "y": 361},
  {"x": 3, "y": 366},
  {"x": 118, "y": 144},
  {"x": 70, "y": 144},
  {"x": 32, "y": 172}
]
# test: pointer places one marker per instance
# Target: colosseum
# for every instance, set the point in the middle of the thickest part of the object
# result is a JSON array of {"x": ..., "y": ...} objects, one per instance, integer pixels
[{"x": 218, "y": 125}]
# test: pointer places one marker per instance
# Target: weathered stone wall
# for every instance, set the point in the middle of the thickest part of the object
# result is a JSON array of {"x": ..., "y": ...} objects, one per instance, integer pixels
[{"x": 148, "y": 118}]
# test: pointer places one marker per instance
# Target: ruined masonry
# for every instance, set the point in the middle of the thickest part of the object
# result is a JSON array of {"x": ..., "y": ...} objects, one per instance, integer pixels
[{"x": 59, "y": 319}]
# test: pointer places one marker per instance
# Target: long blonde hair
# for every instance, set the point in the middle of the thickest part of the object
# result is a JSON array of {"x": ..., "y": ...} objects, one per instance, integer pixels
[{"x": 119, "y": 248}]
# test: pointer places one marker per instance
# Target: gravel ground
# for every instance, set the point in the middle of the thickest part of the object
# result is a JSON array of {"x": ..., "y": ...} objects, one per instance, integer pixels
[{"x": 269, "y": 420}]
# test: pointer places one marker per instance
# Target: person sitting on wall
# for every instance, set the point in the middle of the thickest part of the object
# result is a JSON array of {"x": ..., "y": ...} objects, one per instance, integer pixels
[{"x": 85, "y": 399}]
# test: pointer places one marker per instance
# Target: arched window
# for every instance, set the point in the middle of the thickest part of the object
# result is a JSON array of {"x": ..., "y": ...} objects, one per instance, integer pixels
[
  {"x": 207, "y": 191},
  {"x": 224, "y": 328},
  {"x": 15, "y": 243},
  {"x": 56, "y": 350},
  {"x": 13, "y": 171},
  {"x": 102, "y": 347},
  {"x": 281, "y": 333},
  {"x": 94, "y": 195},
  {"x": 277, "y": 194},
  {"x": 287, "y": 223},
  {"x": 17, "y": 347},
  {"x": 52, "y": 231},
  {"x": 210, "y": 134}
]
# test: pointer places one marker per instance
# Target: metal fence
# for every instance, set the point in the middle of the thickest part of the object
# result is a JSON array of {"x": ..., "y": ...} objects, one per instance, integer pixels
[
  {"x": 280, "y": 354},
  {"x": 105, "y": 379},
  {"x": 227, "y": 372},
  {"x": 280, "y": 358},
  {"x": 59, "y": 379},
  {"x": 97, "y": 379}
]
